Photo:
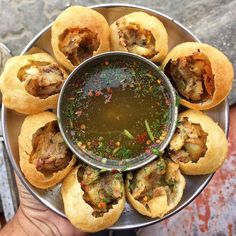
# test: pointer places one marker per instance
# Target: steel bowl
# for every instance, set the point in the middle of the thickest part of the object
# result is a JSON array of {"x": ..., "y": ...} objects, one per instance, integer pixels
[
  {"x": 126, "y": 164},
  {"x": 12, "y": 121}
]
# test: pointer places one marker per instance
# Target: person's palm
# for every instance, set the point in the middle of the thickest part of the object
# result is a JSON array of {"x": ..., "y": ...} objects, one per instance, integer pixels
[{"x": 45, "y": 221}]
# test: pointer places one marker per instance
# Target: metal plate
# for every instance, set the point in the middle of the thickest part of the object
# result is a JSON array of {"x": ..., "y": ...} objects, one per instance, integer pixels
[{"x": 12, "y": 121}]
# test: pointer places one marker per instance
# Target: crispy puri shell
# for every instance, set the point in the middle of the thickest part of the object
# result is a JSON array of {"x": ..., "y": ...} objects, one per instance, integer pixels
[
  {"x": 217, "y": 146},
  {"x": 159, "y": 205},
  {"x": 222, "y": 70},
  {"x": 79, "y": 17},
  {"x": 30, "y": 126},
  {"x": 13, "y": 90},
  {"x": 147, "y": 22},
  {"x": 80, "y": 213}
]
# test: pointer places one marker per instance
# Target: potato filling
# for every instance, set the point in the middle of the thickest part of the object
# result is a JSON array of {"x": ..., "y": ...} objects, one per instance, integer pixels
[
  {"x": 101, "y": 189},
  {"x": 50, "y": 152},
  {"x": 136, "y": 39},
  {"x": 192, "y": 76},
  {"x": 78, "y": 44},
  {"x": 188, "y": 143},
  {"x": 41, "y": 79},
  {"x": 154, "y": 180}
]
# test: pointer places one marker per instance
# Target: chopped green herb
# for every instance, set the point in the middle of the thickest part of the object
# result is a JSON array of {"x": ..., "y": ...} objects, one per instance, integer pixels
[
  {"x": 178, "y": 122},
  {"x": 170, "y": 182},
  {"x": 125, "y": 168},
  {"x": 156, "y": 151},
  {"x": 177, "y": 102},
  {"x": 161, "y": 164},
  {"x": 103, "y": 170},
  {"x": 128, "y": 134},
  {"x": 150, "y": 134},
  {"x": 115, "y": 150},
  {"x": 118, "y": 176},
  {"x": 123, "y": 153}
]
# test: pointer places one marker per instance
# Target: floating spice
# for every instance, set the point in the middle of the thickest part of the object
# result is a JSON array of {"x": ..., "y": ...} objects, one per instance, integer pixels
[{"x": 119, "y": 110}]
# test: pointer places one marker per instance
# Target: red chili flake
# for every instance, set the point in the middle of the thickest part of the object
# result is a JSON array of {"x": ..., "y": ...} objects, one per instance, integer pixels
[
  {"x": 90, "y": 93},
  {"x": 141, "y": 138},
  {"x": 109, "y": 90},
  {"x": 114, "y": 171},
  {"x": 106, "y": 63},
  {"x": 97, "y": 93}
]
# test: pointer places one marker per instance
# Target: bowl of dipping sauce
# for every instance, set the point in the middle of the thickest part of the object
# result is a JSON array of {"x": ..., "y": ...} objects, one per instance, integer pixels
[{"x": 117, "y": 110}]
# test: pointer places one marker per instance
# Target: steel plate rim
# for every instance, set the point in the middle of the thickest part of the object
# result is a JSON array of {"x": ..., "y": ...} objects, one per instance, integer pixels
[{"x": 46, "y": 203}]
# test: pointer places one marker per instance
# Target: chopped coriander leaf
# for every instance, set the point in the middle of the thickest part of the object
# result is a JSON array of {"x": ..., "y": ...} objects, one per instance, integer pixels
[
  {"x": 161, "y": 164},
  {"x": 123, "y": 153},
  {"x": 156, "y": 151}
]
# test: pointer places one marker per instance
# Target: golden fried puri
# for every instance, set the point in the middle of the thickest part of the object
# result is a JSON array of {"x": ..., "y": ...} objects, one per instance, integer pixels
[
  {"x": 31, "y": 83},
  {"x": 44, "y": 157},
  {"x": 199, "y": 145},
  {"x": 155, "y": 189},
  {"x": 77, "y": 34},
  {"x": 141, "y": 34},
  {"x": 201, "y": 74},
  {"x": 93, "y": 200}
]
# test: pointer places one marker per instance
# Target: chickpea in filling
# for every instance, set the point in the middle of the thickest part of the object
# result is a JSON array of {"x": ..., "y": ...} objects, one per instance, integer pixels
[
  {"x": 192, "y": 76},
  {"x": 101, "y": 190},
  {"x": 78, "y": 44},
  {"x": 41, "y": 79},
  {"x": 188, "y": 143},
  {"x": 154, "y": 180},
  {"x": 50, "y": 152},
  {"x": 136, "y": 39}
]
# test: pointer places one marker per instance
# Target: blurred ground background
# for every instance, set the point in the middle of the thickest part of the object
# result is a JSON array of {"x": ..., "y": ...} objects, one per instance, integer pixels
[{"x": 213, "y": 22}]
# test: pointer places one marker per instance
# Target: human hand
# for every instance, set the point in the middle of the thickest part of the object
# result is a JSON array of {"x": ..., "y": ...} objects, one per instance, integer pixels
[{"x": 33, "y": 218}]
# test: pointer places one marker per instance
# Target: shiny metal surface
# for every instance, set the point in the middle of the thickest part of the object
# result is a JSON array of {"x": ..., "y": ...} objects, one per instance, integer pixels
[
  {"x": 127, "y": 164},
  {"x": 12, "y": 121}
]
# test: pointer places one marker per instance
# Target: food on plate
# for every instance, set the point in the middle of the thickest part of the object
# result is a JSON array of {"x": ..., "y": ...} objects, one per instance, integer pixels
[
  {"x": 201, "y": 74},
  {"x": 140, "y": 33},
  {"x": 44, "y": 157},
  {"x": 199, "y": 145},
  {"x": 156, "y": 188},
  {"x": 31, "y": 83},
  {"x": 93, "y": 200},
  {"x": 77, "y": 34},
  {"x": 117, "y": 110}
]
